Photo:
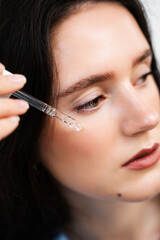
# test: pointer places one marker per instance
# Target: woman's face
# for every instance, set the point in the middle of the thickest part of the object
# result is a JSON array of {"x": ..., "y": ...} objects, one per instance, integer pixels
[{"x": 103, "y": 61}]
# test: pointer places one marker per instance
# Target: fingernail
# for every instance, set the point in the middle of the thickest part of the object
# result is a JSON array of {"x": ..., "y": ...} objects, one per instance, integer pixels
[
  {"x": 17, "y": 79},
  {"x": 22, "y": 104},
  {"x": 14, "y": 119}
]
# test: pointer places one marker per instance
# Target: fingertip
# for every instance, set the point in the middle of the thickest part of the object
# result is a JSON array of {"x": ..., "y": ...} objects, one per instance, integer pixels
[
  {"x": 8, "y": 125},
  {"x": 14, "y": 120},
  {"x": 17, "y": 79},
  {"x": 2, "y": 67}
]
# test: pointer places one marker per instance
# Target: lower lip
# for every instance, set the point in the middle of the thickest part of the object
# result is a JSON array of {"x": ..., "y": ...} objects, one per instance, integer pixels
[{"x": 145, "y": 162}]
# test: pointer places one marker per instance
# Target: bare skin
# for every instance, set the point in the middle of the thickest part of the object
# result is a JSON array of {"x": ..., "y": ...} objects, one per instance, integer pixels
[
  {"x": 108, "y": 202},
  {"x": 111, "y": 220}
]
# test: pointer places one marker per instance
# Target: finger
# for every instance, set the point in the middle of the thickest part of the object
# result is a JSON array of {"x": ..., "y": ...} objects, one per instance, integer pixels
[
  {"x": 10, "y": 107},
  {"x": 11, "y": 83},
  {"x": 8, "y": 125},
  {"x": 2, "y": 68}
]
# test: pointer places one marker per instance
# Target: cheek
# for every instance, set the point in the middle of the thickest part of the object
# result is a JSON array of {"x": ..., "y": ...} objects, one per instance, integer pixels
[
  {"x": 94, "y": 140},
  {"x": 79, "y": 159},
  {"x": 69, "y": 146},
  {"x": 153, "y": 96}
]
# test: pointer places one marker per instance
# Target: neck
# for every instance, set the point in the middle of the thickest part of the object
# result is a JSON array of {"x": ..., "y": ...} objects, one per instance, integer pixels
[{"x": 107, "y": 219}]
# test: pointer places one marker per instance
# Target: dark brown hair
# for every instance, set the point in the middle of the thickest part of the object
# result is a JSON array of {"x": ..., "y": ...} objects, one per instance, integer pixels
[{"x": 31, "y": 204}]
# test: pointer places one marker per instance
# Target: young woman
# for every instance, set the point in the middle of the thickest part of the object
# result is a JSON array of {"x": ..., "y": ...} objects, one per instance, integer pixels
[{"x": 92, "y": 60}]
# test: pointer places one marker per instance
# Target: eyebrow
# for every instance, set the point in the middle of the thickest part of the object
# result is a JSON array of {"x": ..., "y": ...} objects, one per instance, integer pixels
[
  {"x": 147, "y": 53},
  {"x": 86, "y": 82},
  {"x": 97, "y": 78}
]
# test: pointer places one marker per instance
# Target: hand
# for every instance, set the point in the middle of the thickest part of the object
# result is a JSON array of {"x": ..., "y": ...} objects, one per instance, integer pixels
[{"x": 10, "y": 109}]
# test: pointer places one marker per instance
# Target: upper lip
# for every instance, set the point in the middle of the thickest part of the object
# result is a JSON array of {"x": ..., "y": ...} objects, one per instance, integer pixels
[{"x": 142, "y": 153}]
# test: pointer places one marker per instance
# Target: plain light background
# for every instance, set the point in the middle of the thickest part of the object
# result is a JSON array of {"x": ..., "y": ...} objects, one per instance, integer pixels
[{"x": 152, "y": 8}]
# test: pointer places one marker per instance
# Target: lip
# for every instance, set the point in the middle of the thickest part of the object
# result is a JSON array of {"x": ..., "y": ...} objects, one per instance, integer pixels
[{"x": 143, "y": 159}]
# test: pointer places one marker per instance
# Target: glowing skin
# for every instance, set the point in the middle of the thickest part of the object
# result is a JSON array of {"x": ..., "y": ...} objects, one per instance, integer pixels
[{"x": 104, "y": 38}]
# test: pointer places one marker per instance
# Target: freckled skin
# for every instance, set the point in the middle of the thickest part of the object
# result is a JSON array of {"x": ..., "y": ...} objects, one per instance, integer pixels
[{"x": 104, "y": 38}]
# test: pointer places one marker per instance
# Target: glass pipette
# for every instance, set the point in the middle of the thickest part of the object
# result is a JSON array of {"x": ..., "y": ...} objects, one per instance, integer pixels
[{"x": 44, "y": 107}]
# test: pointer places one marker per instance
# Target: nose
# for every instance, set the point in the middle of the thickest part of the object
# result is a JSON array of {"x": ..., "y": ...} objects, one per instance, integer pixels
[{"x": 138, "y": 115}]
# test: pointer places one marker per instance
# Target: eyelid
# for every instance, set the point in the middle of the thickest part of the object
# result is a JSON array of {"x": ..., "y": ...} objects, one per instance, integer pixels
[
  {"x": 144, "y": 78},
  {"x": 84, "y": 108},
  {"x": 140, "y": 71},
  {"x": 144, "y": 73},
  {"x": 84, "y": 100}
]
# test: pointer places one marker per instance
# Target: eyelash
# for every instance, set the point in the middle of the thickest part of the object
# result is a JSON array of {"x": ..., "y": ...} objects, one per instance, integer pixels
[
  {"x": 144, "y": 77},
  {"x": 89, "y": 105}
]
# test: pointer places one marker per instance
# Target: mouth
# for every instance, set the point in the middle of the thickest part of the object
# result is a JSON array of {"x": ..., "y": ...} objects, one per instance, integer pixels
[{"x": 143, "y": 159}]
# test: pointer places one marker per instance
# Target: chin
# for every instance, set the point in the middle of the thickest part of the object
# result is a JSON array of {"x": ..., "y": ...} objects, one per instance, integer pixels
[
  {"x": 141, "y": 185},
  {"x": 139, "y": 197},
  {"x": 141, "y": 193}
]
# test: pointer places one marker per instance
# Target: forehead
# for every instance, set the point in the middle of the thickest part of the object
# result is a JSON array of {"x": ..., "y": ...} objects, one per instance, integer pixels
[{"x": 98, "y": 38}]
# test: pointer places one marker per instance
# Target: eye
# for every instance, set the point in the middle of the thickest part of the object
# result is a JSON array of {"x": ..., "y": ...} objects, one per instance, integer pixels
[
  {"x": 143, "y": 78},
  {"x": 91, "y": 105}
]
